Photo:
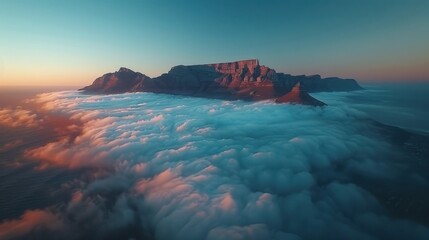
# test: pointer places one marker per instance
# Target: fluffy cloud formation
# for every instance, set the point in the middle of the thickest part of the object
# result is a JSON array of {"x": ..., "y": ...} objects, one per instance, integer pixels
[
  {"x": 171, "y": 167},
  {"x": 31, "y": 221},
  {"x": 18, "y": 118}
]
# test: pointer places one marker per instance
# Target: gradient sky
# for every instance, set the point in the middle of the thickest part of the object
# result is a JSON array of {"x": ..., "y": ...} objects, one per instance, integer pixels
[{"x": 73, "y": 42}]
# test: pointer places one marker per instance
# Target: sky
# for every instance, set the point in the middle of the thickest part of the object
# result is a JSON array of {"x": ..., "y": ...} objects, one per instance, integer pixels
[{"x": 70, "y": 43}]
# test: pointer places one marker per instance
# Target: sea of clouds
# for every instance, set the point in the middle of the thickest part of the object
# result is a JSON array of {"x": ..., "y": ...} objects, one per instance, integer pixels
[{"x": 172, "y": 167}]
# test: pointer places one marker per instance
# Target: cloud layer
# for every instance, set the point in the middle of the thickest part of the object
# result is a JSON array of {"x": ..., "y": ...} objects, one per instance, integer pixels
[
  {"x": 170, "y": 167},
  {"x": 18, "y": 117}
]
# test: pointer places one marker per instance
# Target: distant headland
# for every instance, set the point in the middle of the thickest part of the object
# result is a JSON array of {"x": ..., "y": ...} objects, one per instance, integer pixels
[{"x": 245, "y": 79}]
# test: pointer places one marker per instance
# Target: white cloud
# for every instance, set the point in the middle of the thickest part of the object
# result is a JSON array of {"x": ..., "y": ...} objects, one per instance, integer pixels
[{"x": 244, "y": 171}]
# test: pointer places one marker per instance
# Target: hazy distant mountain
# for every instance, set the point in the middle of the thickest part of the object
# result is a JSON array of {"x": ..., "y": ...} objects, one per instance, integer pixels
[{"x": 244, "y": 79}]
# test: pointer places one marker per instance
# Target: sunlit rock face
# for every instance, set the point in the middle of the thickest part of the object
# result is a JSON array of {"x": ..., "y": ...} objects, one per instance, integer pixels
[
  {"x": 124, "y": 80},
  {"x": 299, "y": 96},
  {"x": 247, "y": 80}
]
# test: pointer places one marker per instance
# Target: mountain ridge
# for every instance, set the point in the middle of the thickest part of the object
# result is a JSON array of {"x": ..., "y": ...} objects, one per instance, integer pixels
[{"x": 244, "y": 79}]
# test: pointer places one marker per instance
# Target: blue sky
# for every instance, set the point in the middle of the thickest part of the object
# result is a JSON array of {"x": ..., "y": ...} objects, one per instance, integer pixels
[{"x": 73, "y": 42}]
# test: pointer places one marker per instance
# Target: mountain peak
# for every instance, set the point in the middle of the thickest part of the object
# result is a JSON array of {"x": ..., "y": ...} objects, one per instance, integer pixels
[
  {"x": 124, "y": 69},
  {"x": 299, "y": 96},
  {"x": 296, "y": 89}
]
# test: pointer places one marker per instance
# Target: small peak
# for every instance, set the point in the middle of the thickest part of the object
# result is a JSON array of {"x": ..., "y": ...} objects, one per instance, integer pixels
[
  {"x": 298, "y": 96},
  {"x": 297, "y": 87},
  {"x": 124, "y": 69}
]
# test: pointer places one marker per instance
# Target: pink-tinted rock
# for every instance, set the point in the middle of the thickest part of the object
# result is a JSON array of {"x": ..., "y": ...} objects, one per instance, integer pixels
[
  {"x": 247, "y": 80},
  {"x": 124, "y": 80},
  {"x": 298, "y": 96}
]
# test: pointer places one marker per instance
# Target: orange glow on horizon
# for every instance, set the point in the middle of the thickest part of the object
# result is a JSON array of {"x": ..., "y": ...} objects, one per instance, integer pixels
[{"x": 33, "y": 76}]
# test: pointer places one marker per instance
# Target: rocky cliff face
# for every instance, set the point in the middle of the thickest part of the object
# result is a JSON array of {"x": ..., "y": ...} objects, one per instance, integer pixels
[{"x": 245, "y": 79}]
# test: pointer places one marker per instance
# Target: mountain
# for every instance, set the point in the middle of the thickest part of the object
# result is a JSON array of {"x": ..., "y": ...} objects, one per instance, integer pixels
[
  {"x": 124, "y": 80},
  {"x": 246, "y": 79},
  {"x": 298, "y": 96}
]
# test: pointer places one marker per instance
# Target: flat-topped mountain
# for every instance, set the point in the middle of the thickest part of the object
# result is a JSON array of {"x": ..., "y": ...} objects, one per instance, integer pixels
[{"x": 247, "y": 80}]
